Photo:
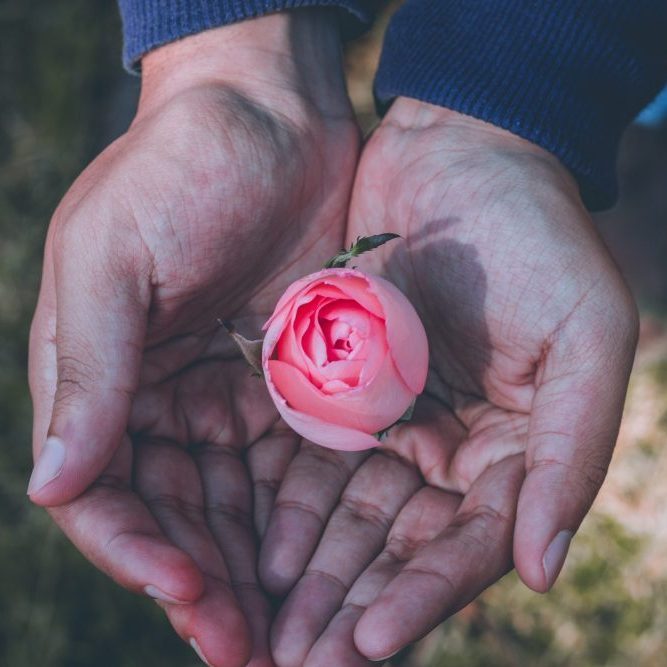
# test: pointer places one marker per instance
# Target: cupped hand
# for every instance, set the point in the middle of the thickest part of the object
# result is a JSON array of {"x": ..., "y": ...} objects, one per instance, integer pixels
[
  {"x": 149, "y": 431},
  {"x": 532, "y": 334}
]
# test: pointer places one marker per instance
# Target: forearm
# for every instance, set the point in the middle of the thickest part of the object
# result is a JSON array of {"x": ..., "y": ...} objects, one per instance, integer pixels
[{"x": 148, "y": 24}]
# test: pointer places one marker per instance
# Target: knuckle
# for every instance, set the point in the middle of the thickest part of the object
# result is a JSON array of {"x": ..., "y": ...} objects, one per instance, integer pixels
[
  {"x": 365, "y": 512},
  {"x": 172, "y": 504},
  {"x": 228, "y": 513},
  {"x": 269, "y": 484},
  {"x": 485, "y": 515},
  {"x": 580, "y": 481},
  {"x": 441, "y": 579},
  {"x": 329, "y": 577},
  {"x": 290, "y": 505},
  {"x": 402, "y": 548},
  {"x": 332, "y": 460},
  {"x": 75, "y": 376}
]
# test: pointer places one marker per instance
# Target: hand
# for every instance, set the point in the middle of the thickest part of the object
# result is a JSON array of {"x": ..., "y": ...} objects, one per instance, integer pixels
[
  {"x": 232, "y": 181},
  {"x": 532, "y": 333}
]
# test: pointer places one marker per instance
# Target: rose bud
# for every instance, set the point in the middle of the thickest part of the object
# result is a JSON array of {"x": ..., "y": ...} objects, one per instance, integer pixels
[{"x": 344, "y": 357}]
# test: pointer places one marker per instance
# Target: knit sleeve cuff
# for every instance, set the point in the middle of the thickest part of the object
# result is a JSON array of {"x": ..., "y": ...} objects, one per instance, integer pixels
[
  {"x": 568, "y": 75},
  {"x": 148, "y": 24}
]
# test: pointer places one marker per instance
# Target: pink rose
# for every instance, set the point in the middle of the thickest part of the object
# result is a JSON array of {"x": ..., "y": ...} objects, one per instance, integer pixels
[{"x": 345, "y": 355}]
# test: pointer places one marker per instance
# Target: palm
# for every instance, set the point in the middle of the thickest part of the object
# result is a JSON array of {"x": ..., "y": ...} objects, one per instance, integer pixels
[
  {"x": 221, "y": 223},
  {"x": 518, "y": 298}
]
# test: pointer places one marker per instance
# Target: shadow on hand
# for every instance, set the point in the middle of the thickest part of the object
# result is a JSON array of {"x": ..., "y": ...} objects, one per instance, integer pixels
[{"x": 445, "y": 281}]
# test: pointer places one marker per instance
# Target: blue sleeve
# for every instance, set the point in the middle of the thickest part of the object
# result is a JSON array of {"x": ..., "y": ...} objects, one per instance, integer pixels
[
  {"x": 568, "y": 75},
  {"x": 148, "y": 24}
]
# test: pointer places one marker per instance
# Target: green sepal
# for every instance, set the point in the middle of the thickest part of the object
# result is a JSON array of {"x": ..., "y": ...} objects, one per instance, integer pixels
[
  {"x": 405, "y": 417},
  {"x": 250, "y": 349},
  {"x": 361, "y": 245}
]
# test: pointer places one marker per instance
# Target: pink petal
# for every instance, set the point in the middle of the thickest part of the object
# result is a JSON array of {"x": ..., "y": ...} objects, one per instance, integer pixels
[
  {"x": 374, "y": 351},
  {"x": 312, "y": 342},
  {"x": 334, "y": 387},
  {"x": 303, "y": 396},
  {"x": 350, "y": 282},
  {"x": 345, "y": 370},
  {"x": 314, "y": 345},
  {"x": 370, "y": 408},
  {"x": 318, "y": 431},
  {"x": 339, "y": 329},
  {"x": 385, "y": 398},
  {"x": 348, "y": 312},
  {"x": 287, "y": 299},
  {"x": 288, "y": 349},
  {"x": 406, "y": 337},
  {"x": 356, "y": 286}
]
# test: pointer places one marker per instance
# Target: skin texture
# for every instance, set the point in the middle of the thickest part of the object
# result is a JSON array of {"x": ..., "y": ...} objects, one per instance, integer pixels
[
  {"x": 532, "y": 334},
  {"x": 233, "y": 180}
]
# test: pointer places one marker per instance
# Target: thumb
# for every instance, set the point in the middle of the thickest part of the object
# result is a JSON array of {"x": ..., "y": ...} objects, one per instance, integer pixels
[
  {"x": 573, "y": 427},
  {"x": 101, "y": 314}
]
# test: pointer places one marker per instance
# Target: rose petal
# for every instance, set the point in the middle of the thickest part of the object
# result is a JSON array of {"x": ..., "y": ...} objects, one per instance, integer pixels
[
  {"x": 348, "y": 312},
  {"x": 286, "y": 301},
  {"x": 339, "y": 330},
  {"x": 405, "y": 333},
  {"x": 317, "y": 431},
  {"x": 314, "y": 344},
  {"x": 369, "y": 409},
  {"x": 385, "y": 396},
  {"x": 288, "y": 349},
  {"x": 334, "y": 387},
  {"x": 353, "y": 283},
  {"x": 345, "y": 370},
  {"x": 374, "y": 350},
  {"x": 304, "y": 397},
  {"x": 357, "y": 287},
  {"x": 311, "y": 339}
]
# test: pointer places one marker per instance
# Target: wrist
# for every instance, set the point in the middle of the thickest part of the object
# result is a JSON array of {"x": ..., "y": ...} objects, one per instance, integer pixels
[
  {"x": 462, "y": 135},
  {"x": 412, "y": 114},
  {"x": 272, "y": 59}
]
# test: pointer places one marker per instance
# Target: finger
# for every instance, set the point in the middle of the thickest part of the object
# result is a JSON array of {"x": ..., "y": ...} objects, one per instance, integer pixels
[
  {"x": 167, "y": 479},
  {"x": 228, "y": 505},
  {"x": 268, "y": 460},
  {"x": 355, "y": 534},
  {"x": 102, "y": 306},
  {"x": 312, "y": 486},
  {"x": 431, "y": 440},
  {"x": 451, "y": 570},
  {"x": 336, "y": 645},
  {"x": 42, "y": 360},
  {"x": 424, "y": 516},
  {"x": 571, "y": 435},
  {"x": 112, "y": 527}
]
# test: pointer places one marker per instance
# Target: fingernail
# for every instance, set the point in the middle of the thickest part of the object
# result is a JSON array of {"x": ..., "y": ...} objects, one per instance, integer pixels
[
  {"x": 197, "y": 650},
  {"x": 554, "y": 556},
  {"x": 49, "y": 464},
  {"x": 158, "y": 594},
  {"x": 387, "y": 657}
]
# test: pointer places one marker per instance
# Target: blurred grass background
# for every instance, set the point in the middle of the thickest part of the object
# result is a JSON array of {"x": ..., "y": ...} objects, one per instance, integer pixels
[{"x": 63, "y": 97}]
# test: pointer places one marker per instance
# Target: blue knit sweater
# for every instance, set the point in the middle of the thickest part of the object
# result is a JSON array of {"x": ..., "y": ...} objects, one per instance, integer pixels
[{"x": 568, "y": 75}]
